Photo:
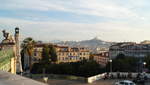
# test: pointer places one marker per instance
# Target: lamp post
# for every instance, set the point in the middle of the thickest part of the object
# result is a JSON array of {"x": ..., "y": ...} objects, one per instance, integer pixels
[
  {"x": 144, "y": 64},
  {"x": 110, "y": 61}
]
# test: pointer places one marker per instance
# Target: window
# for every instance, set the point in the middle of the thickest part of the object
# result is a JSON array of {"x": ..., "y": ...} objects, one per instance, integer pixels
[
  {"x": 70, "y": 58},
  {"x": 80, "y": 53},
  {"x": 66, "y": 58},
  {"x": 35, "y": 54},
  {"x": 80, "y": 58},
  {"x": 63, "y": 58}
]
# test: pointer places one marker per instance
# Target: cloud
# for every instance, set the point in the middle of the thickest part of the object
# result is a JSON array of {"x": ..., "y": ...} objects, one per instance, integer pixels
[
  {"x": 48, "y": 30},
  {"x": 103, "y": 8},
  {"x": 126, "y": 19}
]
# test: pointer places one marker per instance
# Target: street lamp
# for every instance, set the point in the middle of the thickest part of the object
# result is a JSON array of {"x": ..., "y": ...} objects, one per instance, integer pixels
[
  {"x": 144, "y": 64},
  {"x": 110, "y": 65}
]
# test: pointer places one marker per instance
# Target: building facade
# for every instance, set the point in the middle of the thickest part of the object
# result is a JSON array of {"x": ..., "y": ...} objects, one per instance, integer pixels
[
  {"x": 72, "y": 54},
  {"x": 129, "y": 49},
  {"x": 101, "y": 58},
  {"x": 64, "y": 53}
]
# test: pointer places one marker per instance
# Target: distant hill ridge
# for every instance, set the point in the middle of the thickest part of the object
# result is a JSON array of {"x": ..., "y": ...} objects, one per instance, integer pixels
[{"x": 92, "y": 44}]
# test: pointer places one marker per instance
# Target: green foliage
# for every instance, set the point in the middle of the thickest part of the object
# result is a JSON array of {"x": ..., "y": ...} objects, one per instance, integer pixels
[
  {"x": 82, "y": 68},
  {"x": 53, "y": 53},
  {"x": 22, "y": 58},
  {"x": 45, "y": 54},
  {"x": 124, "y": 64},
  {"x": 91, "y": 57},
  {"x": 120, "y": 56},
  {"x": 89, "y": 68},
  {"x": 28, "y": 45},
  {"x": 49, "y": 54},
  {"x": 147, "y": 60},
  {"x": 28, "y": 49}
]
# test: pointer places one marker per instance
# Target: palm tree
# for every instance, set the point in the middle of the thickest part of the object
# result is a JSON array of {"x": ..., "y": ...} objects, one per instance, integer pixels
[{"x": 27, "y": 50}]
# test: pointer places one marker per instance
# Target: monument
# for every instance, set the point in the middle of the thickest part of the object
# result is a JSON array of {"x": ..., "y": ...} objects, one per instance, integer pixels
[{"x": 12, "y": 43}]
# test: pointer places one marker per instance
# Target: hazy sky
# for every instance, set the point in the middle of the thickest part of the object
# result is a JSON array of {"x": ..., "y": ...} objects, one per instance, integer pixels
[{"x": 110, "y": 20}]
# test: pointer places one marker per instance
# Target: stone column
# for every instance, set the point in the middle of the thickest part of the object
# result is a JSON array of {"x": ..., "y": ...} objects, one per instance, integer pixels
[{"x": 19, "y": 64}]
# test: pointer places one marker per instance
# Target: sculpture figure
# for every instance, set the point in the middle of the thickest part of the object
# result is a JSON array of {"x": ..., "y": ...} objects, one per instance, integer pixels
[{"x": 5, "y": 34}]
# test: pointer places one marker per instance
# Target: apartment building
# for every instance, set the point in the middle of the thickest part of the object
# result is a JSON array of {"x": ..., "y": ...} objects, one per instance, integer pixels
[
  {"x": 64, "y": 53},
  {"x": 129, "y": 49},
  {"x": 101, "y": 58}
]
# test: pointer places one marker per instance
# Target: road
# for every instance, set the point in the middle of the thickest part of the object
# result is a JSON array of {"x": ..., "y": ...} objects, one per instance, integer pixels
[{"x": 69, "y": 82}]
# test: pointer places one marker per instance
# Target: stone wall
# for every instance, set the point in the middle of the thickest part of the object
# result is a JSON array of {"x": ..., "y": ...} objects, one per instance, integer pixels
[{"x": 7, "y": 60}]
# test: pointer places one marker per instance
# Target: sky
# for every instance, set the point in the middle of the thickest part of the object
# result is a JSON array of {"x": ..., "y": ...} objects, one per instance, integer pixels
[{"x": 46, "y": 20}]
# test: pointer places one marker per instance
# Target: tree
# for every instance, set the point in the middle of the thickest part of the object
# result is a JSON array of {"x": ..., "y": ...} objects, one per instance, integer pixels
[
  {"x": 45, "y": 54},
  {"x": 147, "y": 60},
  {"x": 124, "y": 64},
  {"x": 27, "y": 50},
  {"x": 22, "y": 59},
  {"x": 120, "y": 56},
  {"x": 81, "y": 68},
  {"x": 91, "y": 57},
  {"x": 53, "y": 53}
]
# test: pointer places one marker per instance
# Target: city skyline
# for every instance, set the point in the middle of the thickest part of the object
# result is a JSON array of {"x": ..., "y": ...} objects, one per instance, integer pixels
[{"x": 111, "y": 20}]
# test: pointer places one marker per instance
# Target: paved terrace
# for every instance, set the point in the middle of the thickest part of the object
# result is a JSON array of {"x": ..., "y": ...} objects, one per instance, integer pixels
[{"x": 7, "y": 78}]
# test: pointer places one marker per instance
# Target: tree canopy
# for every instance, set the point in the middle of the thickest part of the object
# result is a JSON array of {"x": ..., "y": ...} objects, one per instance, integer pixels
[
  {"x": 53, "y": 53},
  {"x": 27, "y": 49},
  {"x": 84, "y": 68},
  {"x": 49, "y": 54},
  {"x": 45, "y": 54}
]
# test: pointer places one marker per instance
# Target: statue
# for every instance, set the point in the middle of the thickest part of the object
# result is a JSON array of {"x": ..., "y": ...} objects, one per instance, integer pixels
[
  {"x": 5, "y": 34},
  {"x": 8, "y": 38}
]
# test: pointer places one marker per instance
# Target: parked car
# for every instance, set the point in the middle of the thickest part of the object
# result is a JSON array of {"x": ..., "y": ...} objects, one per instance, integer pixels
[{"x": 125, "y": 82}]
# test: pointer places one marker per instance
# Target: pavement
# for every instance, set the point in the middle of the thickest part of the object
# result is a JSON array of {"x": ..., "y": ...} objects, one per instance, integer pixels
[{"x": 7, "y": 78}]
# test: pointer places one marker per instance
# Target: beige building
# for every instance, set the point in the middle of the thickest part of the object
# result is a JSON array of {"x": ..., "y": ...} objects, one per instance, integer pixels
[
  {"x": 64, "y": 53},
  {"x": 101, "y": 58},
  {"x": 72, "y": 54}
]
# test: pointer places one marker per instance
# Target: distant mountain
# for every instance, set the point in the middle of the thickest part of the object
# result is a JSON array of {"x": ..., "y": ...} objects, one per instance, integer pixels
[
  {"x": 92, "y": 44},
  {"x": 55, "y": 41}
]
